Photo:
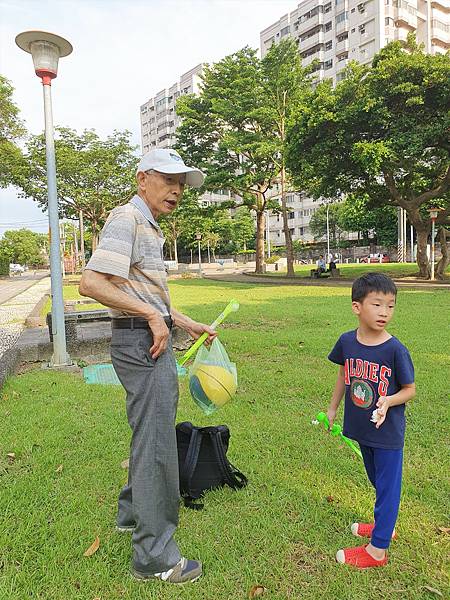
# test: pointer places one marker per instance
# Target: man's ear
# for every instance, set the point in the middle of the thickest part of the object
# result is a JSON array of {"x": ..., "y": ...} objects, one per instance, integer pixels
[{"x": 140, "y": 178}]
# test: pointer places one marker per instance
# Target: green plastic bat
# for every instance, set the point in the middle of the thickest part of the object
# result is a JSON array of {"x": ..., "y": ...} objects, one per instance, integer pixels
[{"x": 336, "y": 430}]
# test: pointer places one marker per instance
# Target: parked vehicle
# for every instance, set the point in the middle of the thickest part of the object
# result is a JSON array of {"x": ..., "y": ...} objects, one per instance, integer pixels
[
  {"x": 16, "y": 269},
  {"x": 375, "y": 258}
]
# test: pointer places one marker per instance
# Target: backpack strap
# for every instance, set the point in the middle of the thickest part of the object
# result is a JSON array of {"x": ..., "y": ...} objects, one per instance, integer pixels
[
  {"x": 232, "y": 476},
  {"x": 187, "y": 472}
]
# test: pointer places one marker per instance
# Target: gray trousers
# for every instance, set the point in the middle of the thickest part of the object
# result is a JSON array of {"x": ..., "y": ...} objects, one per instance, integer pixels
[{"x": 150, "y": 499}]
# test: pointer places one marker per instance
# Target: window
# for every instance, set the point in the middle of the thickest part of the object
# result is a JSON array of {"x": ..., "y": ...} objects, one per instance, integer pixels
[
  {"x": 329, "y": 45},
  {"x": 292, "y": 215},
  {"x": 341, "y": 17},
  {"x": 328, "y": 64},
  {"x": 292, "y": 230},
  {"x": 327, "y": 8},
  {"x": 362, "y": 29},
  {"x": 284, "y": 31},
  {"x": 342, "y": 37},
  {"x": 301, "y": 230},
  {"x": 339, "y": 2},
  {"x": 361, "y": 7},
  {"x": 328, "y": 26}
]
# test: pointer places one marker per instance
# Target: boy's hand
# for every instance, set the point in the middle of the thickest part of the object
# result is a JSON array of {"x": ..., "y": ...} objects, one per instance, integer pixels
[
  {"x": 331, "y": 415},
  {"x": 383, "y": 407}
]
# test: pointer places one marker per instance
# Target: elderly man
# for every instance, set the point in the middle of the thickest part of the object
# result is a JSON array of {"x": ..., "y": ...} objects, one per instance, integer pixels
[{"x": 126, "y": 272}]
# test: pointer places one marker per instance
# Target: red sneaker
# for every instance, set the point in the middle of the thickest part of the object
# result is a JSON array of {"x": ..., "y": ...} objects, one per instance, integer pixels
[
  {"x": 365, "y": 530},
  {"x": 359, "y": 557}
]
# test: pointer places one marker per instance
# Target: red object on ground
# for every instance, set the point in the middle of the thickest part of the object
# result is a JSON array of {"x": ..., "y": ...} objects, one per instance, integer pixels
[{"x": 359, "y": 557}]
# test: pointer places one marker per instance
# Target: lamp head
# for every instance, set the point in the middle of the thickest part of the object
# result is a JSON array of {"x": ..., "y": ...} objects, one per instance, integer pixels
[
  {"x": 45, "y": 49},
  {"x": 433, "y": 213}
]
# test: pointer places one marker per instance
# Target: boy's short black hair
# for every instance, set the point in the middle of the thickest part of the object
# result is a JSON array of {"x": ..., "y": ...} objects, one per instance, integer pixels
[{"x": 372, "y": 282}]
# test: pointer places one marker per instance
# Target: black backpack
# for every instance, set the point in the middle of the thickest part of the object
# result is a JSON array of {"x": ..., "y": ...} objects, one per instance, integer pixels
[{"x": 202, "y": 462}]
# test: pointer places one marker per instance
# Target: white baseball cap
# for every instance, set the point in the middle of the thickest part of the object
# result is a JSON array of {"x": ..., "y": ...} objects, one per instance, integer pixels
[{"x": 166, "y": 160}]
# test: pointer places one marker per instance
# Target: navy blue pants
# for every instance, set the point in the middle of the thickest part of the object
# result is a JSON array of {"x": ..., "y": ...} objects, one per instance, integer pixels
[{"x": 384, "y": 469}]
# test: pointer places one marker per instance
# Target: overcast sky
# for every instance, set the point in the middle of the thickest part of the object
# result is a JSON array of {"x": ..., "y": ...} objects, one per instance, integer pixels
[{"x": 124, "y": 53}]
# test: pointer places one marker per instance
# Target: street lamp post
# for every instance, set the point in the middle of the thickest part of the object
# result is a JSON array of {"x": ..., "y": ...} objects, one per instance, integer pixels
[
  {"x": 328, "y": 234},
  {"x": 198, "y": 237},
  {"x": 433, "y": 215},
  {"x": 46, "y": 49}
]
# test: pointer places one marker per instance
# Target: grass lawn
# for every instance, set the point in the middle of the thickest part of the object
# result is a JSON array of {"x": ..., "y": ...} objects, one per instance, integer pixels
[
  {"x": 353, "y": 270},
  {"x": 59, "y": 491},
  {"x": 70, "y": 292}
]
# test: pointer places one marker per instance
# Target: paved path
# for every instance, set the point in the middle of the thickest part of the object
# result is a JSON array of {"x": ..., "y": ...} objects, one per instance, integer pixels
[
  {"x": 16, "y": 309},
  {"x": 11, "y": 286},
  {"x": 305, "y": 281}
]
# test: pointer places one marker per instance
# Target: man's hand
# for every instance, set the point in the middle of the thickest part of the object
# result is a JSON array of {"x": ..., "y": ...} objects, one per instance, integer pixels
[
  {"x": 383, "y": 407},
  {"x": 331, "y": 415},
  {"x": 160, "y": 334},
  {"x": 196, "y": 329}
]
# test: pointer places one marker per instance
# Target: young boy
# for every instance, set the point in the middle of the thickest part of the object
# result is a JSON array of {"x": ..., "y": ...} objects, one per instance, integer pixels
[{"x": 377, "y": 376}]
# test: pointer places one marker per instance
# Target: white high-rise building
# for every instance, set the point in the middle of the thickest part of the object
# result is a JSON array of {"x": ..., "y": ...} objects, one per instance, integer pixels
[
  {"x": 334, "y": 32},
  {"x": 159, "y": 122}
]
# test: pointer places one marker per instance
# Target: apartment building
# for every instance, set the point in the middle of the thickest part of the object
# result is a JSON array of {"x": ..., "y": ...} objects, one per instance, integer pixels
[
  {"x": 336, "y": 31},
  {"x": 159, "y": 121}
]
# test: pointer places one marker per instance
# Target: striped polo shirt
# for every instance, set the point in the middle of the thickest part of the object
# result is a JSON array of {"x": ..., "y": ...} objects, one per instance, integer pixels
[{"x": 131, "y": 248}]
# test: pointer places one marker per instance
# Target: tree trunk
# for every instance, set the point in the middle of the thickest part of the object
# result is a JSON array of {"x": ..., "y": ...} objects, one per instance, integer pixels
[
  {"x": 260, "y": 222},
  {"x": 175, "y": 249},
  {"x": 445, "y": 259},
  {"x": 287, "y": 231},
  {"x": 422, "y": 258},
  {"x": 94, "y": 235}
]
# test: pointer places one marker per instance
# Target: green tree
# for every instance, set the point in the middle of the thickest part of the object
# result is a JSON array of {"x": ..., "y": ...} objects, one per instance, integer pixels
[
  {"x": 382, "y": 132},
  {"x": 356, "y": 215},
  {"x": 11, "y": 130},
  {"x": 243, "y": 231},
  {"x": 183, "y": 222},
  {"x": 318, "y": 223},
  {"x": 23, "y": 246},
  {"x": 286, "y": 87},
  {"x": 224, "y": 132},
  {"x": 93, "y": 175}
]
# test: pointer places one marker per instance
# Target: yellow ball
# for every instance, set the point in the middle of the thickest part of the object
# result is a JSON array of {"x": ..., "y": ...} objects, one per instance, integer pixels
[{"x": 217, "y": 383}]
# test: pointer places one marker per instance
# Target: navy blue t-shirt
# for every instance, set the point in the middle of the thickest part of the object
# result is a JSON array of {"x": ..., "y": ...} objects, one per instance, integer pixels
[{"x": 371, "y": 372}]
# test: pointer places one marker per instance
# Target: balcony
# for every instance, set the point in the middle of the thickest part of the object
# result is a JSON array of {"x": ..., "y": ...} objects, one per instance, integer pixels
[
  {"x": 341, "y": 27},
  {"x": 341, "y": 46},
  {"x": 311, "y": 41},
  {"x": 309, "y": 59},
  {"x": 309, "y": 24},
  {"x": 440, "y": 33},
  {"x": 406, "y": 15}
]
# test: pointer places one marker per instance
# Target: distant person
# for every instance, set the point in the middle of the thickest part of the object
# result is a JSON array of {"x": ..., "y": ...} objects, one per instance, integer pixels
[
  {"x": 127, "y": 273},
  {"x": 321, "y": 264},
  {"x": 376, "y": 375}
]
